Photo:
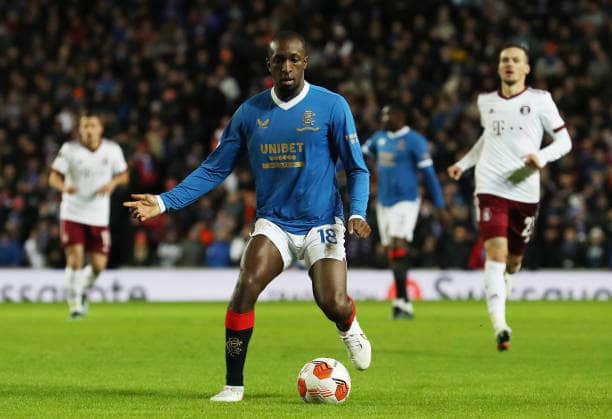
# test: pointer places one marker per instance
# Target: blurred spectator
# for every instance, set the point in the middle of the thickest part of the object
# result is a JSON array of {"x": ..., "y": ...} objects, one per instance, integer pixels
[
  {"x": 239, "y": 244},
  {"x": 218, "y": 253},
  {"x": 141, "y": 255},
  {"x": 192, "y": 249},
  {"x": 169, "y": 251},
  {"x": 595, "y": 254},
  {"x": 10, "y": 250},
  {"x": 54, "y": 253},
  {"x": 33, "y": 249},
  {"x": 457, "y": 248},
  {"x": 571, "y": 249}
]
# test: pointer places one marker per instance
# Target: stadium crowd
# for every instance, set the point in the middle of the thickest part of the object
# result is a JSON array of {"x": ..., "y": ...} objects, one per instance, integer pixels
[{"x": 166, "y": 75}]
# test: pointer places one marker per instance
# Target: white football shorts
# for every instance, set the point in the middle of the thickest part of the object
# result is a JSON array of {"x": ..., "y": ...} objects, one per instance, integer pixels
[
  {"x": 325, "y": 241},
  {"x": 397, "y": 220}
]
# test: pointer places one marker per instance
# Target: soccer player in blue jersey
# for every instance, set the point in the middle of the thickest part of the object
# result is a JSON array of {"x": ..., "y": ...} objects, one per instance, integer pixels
[
  {"x": 293, "y": 135},
  {"x": 402, "y": 155}
]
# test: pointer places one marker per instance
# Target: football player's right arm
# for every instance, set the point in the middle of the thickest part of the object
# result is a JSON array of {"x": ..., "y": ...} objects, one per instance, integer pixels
[
  {"x": 143, "y": 206},
  {"x": 56, "y": 181},
  {"x": 60, "y": 166},
  {"x": 468, "y": 161}
]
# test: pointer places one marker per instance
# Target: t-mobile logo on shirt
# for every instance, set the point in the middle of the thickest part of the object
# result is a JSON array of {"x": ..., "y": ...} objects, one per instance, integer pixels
[{"x": 498, "y": 127}]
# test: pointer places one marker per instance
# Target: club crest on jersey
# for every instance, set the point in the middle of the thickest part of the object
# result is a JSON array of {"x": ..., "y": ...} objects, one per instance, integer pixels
[
  {"x": 401, "y": 145},
  {"x": 264, "y": 123},
  {"x": 308, "y": 121},
  {"x": 525, "y": 110}
]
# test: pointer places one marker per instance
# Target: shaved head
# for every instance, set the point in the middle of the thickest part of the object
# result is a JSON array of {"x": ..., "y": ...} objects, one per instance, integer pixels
[{"x": 284, "y": 36}]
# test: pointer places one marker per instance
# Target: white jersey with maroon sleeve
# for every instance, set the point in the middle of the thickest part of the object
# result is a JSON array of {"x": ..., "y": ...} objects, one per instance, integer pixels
[
  {"x": 513, "y": 128},
  {"x": 88, "y": 171}
]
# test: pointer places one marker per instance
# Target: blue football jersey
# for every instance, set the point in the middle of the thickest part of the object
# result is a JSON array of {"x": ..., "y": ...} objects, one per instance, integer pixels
[
  {"x": 400, "y": 156},
  {"x": 293, "y": 147}
]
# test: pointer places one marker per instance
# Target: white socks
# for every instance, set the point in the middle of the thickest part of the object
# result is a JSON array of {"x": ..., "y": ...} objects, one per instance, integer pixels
[
  {"x": 73, "y": 290},
  {"x": 355, "y": 329},
  {"x": 76, "y": 283},
  {"x": 89, "y": 277},
  {"x": 495, "y": 292}
]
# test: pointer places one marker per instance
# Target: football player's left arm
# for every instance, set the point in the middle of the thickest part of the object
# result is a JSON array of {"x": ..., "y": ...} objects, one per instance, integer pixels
[
  {"x": 121, "y": 179},
  {"x": 346, "y": 141},
  {"x": 120, "y": 169},
  {"x": 425, "y": 165},
  {"x": 433, "y": 186},
  {"x": 555, "y": 127}
]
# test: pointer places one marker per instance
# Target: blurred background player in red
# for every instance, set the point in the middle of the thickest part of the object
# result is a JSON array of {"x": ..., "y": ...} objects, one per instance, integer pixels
[
  {"x": 508, "y": 160},
  {"x": 86, "y": 171}
]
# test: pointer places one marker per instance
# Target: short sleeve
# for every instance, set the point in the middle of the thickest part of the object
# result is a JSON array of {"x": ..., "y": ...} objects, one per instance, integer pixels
[
  {"x": 119, "y": 163},
  {"x": 61, "y": 162}
]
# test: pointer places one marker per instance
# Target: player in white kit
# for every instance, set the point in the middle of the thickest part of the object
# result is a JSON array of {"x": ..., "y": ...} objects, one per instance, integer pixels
[
  {"x": 508, "y": 159},
  {"x": 86, "y": 171}
]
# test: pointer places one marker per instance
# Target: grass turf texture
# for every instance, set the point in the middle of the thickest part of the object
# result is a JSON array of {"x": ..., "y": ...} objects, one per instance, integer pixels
[{"x": 154, "y": 360}]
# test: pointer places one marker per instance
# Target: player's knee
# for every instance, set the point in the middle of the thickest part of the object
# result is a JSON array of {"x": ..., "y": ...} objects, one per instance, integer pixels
[
  {"x": 513, "y": 266},
  {"x": 249, "y": 286},
  {"x": 97, "y": 268},
  {"x": 335, "y": 306},
  {"x": 73, "y": 264},
  {"x": 73, "y": 261},
  {"x": 497, "y": 250}
]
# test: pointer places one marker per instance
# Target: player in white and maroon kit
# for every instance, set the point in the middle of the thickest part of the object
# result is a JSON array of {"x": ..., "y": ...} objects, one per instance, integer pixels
[
  {"x": 508, "y": 158},
  {"x": 86, "y": 172}
]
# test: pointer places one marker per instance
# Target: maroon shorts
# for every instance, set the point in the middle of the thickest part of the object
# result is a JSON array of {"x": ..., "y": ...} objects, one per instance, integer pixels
[
  {"x": 501, "y": 217},
  {"x": 94, "y": 238}
]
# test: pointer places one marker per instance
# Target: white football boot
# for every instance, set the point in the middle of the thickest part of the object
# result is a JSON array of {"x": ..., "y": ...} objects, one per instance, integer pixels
[
  {"x": 229, "y": 394},
  {"x": 402, "y": 310},
  {"x": 358, "y": 346}
]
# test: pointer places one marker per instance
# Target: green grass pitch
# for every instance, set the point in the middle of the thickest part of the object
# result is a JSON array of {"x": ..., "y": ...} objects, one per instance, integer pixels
[{"x": 166, "y": 360}]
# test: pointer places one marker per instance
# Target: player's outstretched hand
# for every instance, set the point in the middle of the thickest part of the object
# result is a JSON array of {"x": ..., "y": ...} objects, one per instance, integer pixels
[
  {"x": 359, "y": 227},
  {"x": 454, "y": 172},
  {"x": 144, "y": 206}
]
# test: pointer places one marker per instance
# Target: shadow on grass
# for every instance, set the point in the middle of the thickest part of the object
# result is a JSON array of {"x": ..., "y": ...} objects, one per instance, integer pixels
[{"x": 58, "y": 391}]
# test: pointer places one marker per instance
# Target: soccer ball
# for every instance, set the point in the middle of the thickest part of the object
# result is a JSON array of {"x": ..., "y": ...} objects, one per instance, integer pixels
[{"x": 324, "y": 380}]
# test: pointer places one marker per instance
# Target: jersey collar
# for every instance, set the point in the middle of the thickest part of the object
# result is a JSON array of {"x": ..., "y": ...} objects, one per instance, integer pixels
[
  {"x": 293, "y": 101},
  {"x": 499, "y": 92},
  {"x": 400, "y": 132}
]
